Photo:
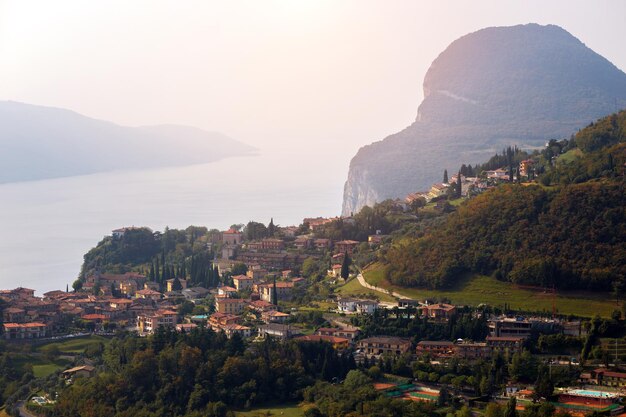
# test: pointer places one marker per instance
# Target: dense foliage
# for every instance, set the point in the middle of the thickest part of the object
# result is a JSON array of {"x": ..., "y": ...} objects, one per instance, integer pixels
[
  {"x": 569, "y": 236},
  {"x": 200, "y": 373}
]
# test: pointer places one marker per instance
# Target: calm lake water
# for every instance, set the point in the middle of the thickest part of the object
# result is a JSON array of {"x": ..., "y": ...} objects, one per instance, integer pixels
[{"x": 47, "y": 226}]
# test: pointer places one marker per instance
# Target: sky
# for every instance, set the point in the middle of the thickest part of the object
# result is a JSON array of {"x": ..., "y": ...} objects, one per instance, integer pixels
[{"x": 313, "y": 79}]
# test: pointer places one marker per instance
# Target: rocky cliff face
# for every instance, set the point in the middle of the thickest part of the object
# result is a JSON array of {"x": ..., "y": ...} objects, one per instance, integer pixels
[{"x": 499, "y": 86}]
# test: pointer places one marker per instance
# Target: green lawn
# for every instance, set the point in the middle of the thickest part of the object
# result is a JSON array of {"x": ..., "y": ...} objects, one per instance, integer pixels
[
  {"x": 354, "y": 289},
  {"x": 570, "y": 156},
  {"x": 74, "y": 345},
  {"x": 42, "y": 367},
  {"x": 289, "y": 410},
  {"x": 478, "y": 289}
]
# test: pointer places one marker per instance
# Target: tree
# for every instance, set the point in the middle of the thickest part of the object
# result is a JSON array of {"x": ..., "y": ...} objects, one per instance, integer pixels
[
  {"x": 176, "y": 285},
  {"x": 356, "y": 379},
  {"x": 444, "y": 397},
  {"x": 510, "y": 410},
  {"x": 345, "y": 266},
  {"x": 493, "y": 410},
  {"x": 445, "y": 176},
  {"x": 274, "y": 294},
  {"x": 271, "y": 229},
  {"x": 544, "y": 387},
  {"x": 459, "y": 186},
  {"x": 77, "y": 285}
]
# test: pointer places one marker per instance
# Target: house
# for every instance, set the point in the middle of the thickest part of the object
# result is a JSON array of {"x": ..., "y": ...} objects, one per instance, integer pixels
[
  {"x": 376, "y": 239},
  {"x": 439, "y": 311},
  {"x": 261, "y": 306},
  {"x": 346, "y": 305},
  {"x": 472, "y": 350},
  {"x": 242, "y": 282},
  {"x": 227, "y": 291},
  {"x": 303, "y": 242},
  {"x": 498, "y": 174},
  {"x": 257, "y": 274},
  {"x": 279, "y": 331},
  {"x": 335, "y": 270},
  {"x": 229, "y": 305},
  {"x": 436, "y": 348},
  {"x": 118, "y": 233},
  {"x": 346, "y": 246},
  {"x": 149, "y": 294},
  {"x": 437, "y": 190},
  {"x": 283, "y": 291},
  {"x": 218, "y": 320},
  {"x": 32, "y": 330},
  {"x": 526, "y": 166},
  {"x": 231, "y": 329},
  {"x": 339, "y": 343},
  {"x": 506, "y": 342},
  {"x": 349, "y": 333},
  {"x": 322, "y": 244},
  {"x": 84, "y": 371},
  {"x": 13, "y": 315},
  {"x": 289, "y": 231},
  {"x": 273, "y": 316},
  {"x": 379, "y": 345},
  {"x": 170, "y": 284},
  {"x": 510, "y": 327},
  {"x": 149, "y": 322},
  {"x": 232, "y": 237},
  {"x": 605, "y": 377},
  {"x": 272, "y": 244},
  {"x": 186, "y": 327},
  {"x": 195, "y": 293},
  {"x": 366, "y": 306}
]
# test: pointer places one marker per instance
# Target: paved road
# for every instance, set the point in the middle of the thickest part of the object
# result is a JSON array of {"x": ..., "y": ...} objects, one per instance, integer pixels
[
  {"x": 21, "y": 407},
  {"x": 375, "y": 288}
]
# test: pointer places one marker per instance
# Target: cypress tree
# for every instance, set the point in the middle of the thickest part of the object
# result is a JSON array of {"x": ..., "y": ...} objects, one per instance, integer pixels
[
  {"x": 459, "y": 187},
  {"x": 271, "y": 229},
  {"x": 345, "y": 266},
  {"x": 510, "y": 410},
  {"x": 176, "y": 285},
  {"x": 274, "y": 294},
  {"x": 445, "y": 176}
]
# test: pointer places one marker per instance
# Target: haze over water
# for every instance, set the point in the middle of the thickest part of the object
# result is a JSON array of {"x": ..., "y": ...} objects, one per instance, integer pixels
[{"x": 47, "y": 226}]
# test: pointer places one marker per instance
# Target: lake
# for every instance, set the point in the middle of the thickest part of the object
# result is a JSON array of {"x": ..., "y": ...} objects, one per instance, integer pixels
[{"x": 47, "y": 226}]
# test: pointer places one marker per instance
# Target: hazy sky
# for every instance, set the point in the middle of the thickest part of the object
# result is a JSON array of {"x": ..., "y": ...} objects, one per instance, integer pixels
[{"x": 318, "y": 77}]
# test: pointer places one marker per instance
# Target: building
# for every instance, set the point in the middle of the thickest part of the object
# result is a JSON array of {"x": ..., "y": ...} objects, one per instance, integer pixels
[
  {"x": 339, "y": 343},
  {"x": 349, "y": 333},
  {"x": 232, "y": 329},
  {"x": 118, "y": 233},
  {"x": 346, "y": 246},
  {"x": 229, "y": 305},
  {"x": 608, "y": 378},
  {"x": 170, "y": 284},
  {"x": 149, "y": 322},
  {"x": 232, "y": 237},
  {"x": 195, "y": 293},
  {"x": 351, "y": 305},
  {"x": 226, "y": 291},
  {"x": 303, "y": 242},
  {"x": 439, "y": 311},
  {"x": 322, "y": 244},
  {"x": 437, "y": 190},
  {"x": 272, "y": 244},
  {"x": 279, "y": 331},
  {"x": 377, "y": 239},
  {"x": 510, "y": 327},
  {"x": 525, "y": 167},
  {"x": 186, "y": 327},
  {"x": 273, "y": 316},
  {"x": 84, "y": 371},
  {"x": 435, "y": 348},
  {"x": 472, "y": 350},
  {"x": 505, "y": 342},
  {"x": 283, "y": 291},
  {"x": 379, "y": 345},
  {"x": 149, "y": 294},
  {"x": 18, "y": 331},
  {"x": 242, "y": 282},
  {"x": 261, "y": 306}
]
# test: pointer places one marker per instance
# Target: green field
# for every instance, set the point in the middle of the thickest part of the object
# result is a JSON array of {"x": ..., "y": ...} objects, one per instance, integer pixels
[
  {"x": 354, "y": 289},
  {"x": 42, "y": 367},
  {"x": 289, "y": 410},
  {"x": 479, "y": 289},
  {"x": 73, "y": 346},
  {"x": 570, "y": 156}
]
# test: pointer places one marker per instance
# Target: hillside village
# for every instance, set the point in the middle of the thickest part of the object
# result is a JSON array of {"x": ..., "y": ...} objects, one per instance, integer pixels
[{"x": 255, "y": 282}]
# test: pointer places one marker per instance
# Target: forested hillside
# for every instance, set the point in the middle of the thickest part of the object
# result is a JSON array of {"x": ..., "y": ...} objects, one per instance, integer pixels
[{"x": 568, "y": 230}]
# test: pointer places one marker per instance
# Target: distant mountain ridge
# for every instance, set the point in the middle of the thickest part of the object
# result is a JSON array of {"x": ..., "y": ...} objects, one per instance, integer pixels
[
  {"x": 495, "y": 87},
  {"x": 38, "y": 142}
]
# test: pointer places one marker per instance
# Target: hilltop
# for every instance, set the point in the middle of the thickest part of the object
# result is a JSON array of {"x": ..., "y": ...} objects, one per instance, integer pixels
[
  {"x": 59, "y": 143},
  {"x": 500, "y": 86}
]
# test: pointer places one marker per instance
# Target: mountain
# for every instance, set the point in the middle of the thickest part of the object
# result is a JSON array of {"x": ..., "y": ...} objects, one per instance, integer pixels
[
  {"x": 498, "y": 86},
  {"x": 568, "y": 230},
  {"x": 39, "y": 142}
]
